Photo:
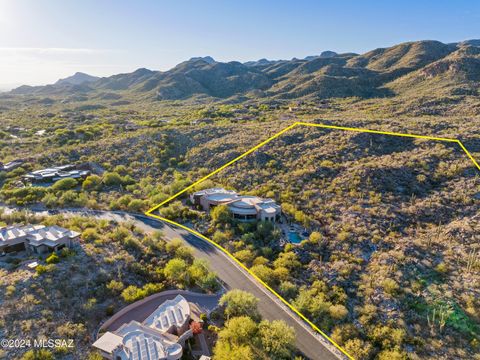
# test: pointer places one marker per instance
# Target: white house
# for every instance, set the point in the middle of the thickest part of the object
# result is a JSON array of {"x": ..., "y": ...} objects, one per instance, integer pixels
[
  {"x": 172, "y": 316},
  {"x": 242, "y": 207},
  {"x": 159, "y": 337},
  {"x": 38, "y": 239},
  {"x": 56, "y": 173}
]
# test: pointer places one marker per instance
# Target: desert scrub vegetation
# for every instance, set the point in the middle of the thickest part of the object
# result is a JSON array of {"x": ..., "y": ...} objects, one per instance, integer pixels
[
  {"x": 69, "y": 294},
  {"x": 390, "y": 269},
  {"x": 393, "y": 221},
  {"x": 243, "y": 334}
]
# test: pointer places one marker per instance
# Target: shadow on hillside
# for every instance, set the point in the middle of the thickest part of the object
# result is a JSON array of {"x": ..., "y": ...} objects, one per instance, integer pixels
[
  {"x": 400, "y": 182},
  {"x": 380, "y": 145}
]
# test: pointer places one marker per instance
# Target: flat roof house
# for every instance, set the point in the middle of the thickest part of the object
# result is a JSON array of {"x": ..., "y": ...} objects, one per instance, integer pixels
[
  {"x": 38, "y": 239},
  {"x": 55, "y": 173},
  {"x": 159, "y": 337},
  {"x": 242, "y": 207}
]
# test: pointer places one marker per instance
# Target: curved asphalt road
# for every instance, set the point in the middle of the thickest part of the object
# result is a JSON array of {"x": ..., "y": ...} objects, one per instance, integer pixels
[{"x": 312, "y": 345}]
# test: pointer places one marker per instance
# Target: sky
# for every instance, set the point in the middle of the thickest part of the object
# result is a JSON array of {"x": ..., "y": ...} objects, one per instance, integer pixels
[{"x": 44, "y": 40}]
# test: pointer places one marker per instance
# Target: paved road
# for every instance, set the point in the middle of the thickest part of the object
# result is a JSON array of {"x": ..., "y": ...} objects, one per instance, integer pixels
[{"x": 312, "y": 345}]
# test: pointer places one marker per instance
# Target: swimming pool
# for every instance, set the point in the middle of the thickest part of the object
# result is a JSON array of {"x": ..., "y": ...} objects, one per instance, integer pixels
[{"x": 294, "y": 238}]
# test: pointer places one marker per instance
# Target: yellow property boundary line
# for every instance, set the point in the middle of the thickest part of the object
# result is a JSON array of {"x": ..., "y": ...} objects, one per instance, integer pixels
[{"x": 149, "y": 212}]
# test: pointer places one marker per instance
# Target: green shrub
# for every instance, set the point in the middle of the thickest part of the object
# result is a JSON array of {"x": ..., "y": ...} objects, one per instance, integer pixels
[
  {"x": 43, "y": 269},
  {"x": 115, "y": 286},
  {"x": 41, "y": 354},
  {"x": 64, "y": 184},
  {"x": 52, "y": 259}
]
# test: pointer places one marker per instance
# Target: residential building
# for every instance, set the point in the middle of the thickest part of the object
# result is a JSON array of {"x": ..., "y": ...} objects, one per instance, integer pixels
[
  {"x": 242, "y": 207},
  {"x": 56, "y": 173},
  {"x": 38, "y": 239},
  {"x": 160, "y": 336},
  {"x": 9, "y": 166}
]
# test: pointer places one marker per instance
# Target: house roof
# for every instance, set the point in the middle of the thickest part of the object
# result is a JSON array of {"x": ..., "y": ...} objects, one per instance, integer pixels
[
  {"x": 240, "y": 204},
  {"x": 36, "y": 234},
  {"x": 143, "y": 342},
  {"x": 253, "y": 204},
  {"x": 171, "y": 313},
  {"x": 212, "y": 191},
  {"x": 222, "y": 197},
  {"x": 138, "y": 341},
  {"x": 57, "y": 172},
  {"x": 108, "y": 342},
  {"x": 11, "y": 233}
]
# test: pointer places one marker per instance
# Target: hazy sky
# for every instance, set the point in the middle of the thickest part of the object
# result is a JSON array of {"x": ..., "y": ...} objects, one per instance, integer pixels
[{"x": 43, "y": 40}]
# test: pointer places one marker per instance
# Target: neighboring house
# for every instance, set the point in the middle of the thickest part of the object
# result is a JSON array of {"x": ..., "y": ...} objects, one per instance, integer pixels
[
  {"x": 161, "y": 336},
  {"x": 242, "y": 207},
  {"x": 56, "y": 173},
  {"x": 10, "y": 165},
  {"x": 38, "y": 239}
]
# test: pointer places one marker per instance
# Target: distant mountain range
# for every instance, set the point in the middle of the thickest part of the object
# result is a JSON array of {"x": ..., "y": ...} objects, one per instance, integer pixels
[
  {"x": 408, "y": 69},
  {"x": 77, "y": 79}
]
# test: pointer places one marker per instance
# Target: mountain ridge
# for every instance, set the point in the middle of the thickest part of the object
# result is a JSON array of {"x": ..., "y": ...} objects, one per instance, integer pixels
[
  {"x": 403, "y": 69},
  {"x": 77, "y": 79}
]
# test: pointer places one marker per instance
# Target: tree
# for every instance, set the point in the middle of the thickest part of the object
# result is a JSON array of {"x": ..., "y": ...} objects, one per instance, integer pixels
[
  {"x": 201, "y": 275},
  {"x": 390, "y": 286},
  {"x": 288, "y": 289},
  {"x": 136, "y": 205},
  {"x": 264, "y": 230},
  {"x": 277, "y": 338},
  {"x": 315, "y": 237},
  {"x": 313, "y": 301},
  {"x": 90, "y": 235},
  {"x": 338, "y": 312},
  {"x": 221, "y": 215},
  {"x": 95, "y": 356},
  {"x": 246, "y": 256},
  {"x": 64, "y": 184},
  {"x": 288, "y": 260},
  {"x": 240, "y": 303},
  {"x": 185, "y": 253},
  {"x": 176, "y": 271},
  {"x": 392, "y": 355},
  {"x": 225, "y": 351},
  {"x": 234, "y": 341},
  {"x": 173, "y": 245},
  {"x": 112, "y": 179},
  {"x": 241, "y": 336},
  {"x": 220, "y": 237},
  {"x": 50, "y": 200},
  {"x": 358, "y": 348},
  {"x": 264, "y": 273},
  {"x": 387, "y": 337},
  {"x": 92, "y": 182},
  {"x": 115, "y": 286},
  {"x": 41, "y": 354},
  {"x": 239, "y": 330},
  {"x": 132, "y": 294},
  {"x": 52, "y": 259}
]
